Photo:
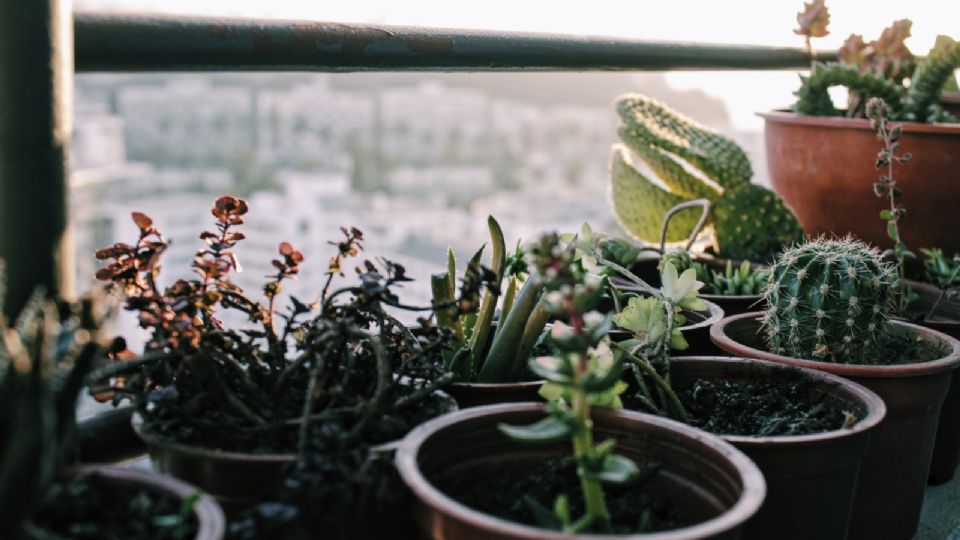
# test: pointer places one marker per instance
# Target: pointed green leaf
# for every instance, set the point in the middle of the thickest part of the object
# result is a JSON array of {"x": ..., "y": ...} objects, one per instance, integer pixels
[{"x": 547, "y": 430}]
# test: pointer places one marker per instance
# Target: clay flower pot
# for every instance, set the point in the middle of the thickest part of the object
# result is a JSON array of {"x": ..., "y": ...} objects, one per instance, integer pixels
[
  {"x": 823, "y": 169},
  {"x": 236, "y": 479},
  {"x": 893, "y": 475},
  {"x": 946, "y": 319},
  {"x": 704, "y": 478},
  {"x": 211, "y": 524},
  {"x": 811, "y": 479}
]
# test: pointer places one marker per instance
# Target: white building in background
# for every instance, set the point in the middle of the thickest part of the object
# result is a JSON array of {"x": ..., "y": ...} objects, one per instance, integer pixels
[
  {"x": 311, "y": 124},
  {"x": 189, "y": 121}
]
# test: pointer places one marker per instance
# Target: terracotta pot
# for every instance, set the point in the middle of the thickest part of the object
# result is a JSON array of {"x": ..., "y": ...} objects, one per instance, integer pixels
[
  {"x": 211, "y": 523},
  {"x": 893, "y": 475},
  {"x": 705, "y": 478},
  {"x": 811, "y": 479},
  {"x": 946, "y": 319},
  {"x": 236, "y": 479},
  {"x": 477, "y": 394},
  {"x": 823, "y": 169}
]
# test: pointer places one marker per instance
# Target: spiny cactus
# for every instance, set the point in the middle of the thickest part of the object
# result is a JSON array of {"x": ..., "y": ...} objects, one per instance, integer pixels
[
  {"x": 827, "y": 300},
  {"x": 917, "y": 104},
  {"x": 692, "y": 161}
]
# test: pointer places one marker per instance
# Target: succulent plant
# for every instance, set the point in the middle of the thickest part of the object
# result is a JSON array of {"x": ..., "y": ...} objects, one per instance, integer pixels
[
  {"x": 828, "y": 300},
  {"x": 742, "y": 280},
  {"x": 692, "y": 161},
  {"x": 679, "y": 258}
]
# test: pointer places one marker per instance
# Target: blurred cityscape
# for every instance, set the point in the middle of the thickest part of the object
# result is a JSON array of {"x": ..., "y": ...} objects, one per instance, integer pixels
[{"x": 416, "y": 162}]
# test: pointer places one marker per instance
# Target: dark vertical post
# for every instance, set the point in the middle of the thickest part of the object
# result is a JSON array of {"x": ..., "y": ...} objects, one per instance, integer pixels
[{"x": 36, "y": 93}]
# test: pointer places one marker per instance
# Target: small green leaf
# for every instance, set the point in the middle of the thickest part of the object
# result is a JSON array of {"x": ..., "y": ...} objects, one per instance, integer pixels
[
  {"x": 591, "y": 383},
  {"x": 544, "y": 517},
  {"x": 561, "y": 509},
  {"x": 886, "y": 214},
  {"x": 547, "y": 430},
  {"x": 616, "y": 470},
  {"x": 892, "y": 231}
]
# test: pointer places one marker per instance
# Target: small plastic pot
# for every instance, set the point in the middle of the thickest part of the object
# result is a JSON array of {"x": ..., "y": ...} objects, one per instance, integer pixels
[
  {"x": 705, "y": 478},
  {"x": 893, "y": 475},
  {"x": 211, "y": 524},
  {"x": 811, "y": 479}
]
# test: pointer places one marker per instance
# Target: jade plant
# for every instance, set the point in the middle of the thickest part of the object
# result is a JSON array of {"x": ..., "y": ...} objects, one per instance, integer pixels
[
  {"x": 585, "y": 374},
  {"x": 882, "y": 69},
  {"x": 482, "y": 349},
  {"x": 261, "y": 387},
  {"x": 691, "y": 161},
  {"x": 829, "y": 300}
]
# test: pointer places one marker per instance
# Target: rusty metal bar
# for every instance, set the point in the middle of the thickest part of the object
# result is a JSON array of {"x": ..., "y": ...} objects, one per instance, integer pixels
[
  {"x": 153, "y": 43},
  {"x": 36, "y": 83}
]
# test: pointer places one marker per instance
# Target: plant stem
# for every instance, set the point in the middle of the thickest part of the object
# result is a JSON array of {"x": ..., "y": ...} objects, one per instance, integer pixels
[
  {"x": 672, "y": 399},
  {"x": 593, "y": 498}
]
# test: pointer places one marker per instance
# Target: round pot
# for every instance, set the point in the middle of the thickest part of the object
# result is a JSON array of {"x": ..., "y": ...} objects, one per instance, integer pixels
[
  {"x": 646, "y": 269},
  {"x": 705, "y": 478},
  {"x": 893, "y": 474},
  {"x": 477, "y": 394},
  {"x": 211, "y": 524},
  {"x": 823, "y": 168},
  {"x": 236, "y": 479},
  {"x": 811, "y": 479},
  {"x": 946, "y": 319}
]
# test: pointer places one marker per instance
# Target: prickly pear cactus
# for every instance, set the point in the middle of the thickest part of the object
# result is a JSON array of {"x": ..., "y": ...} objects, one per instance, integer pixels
[
  {"x": 752, "y": 222},
  {"x": 827, "y": 300},
  {"x": 691, "y": 161}
]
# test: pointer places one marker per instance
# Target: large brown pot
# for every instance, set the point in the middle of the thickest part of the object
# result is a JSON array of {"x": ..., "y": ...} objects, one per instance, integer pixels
[
  {"x": 811, "y": 479},
  {"x": 236, "y": 479},
  {"x": 705, "y": 478},
  {"x": 211, "y": 524},
  {"x": 477, "y": 394},
  {"x": 823, "y": 167},
  {"x": 946, "y": 319},
  {"x": 893, "y": 475}
]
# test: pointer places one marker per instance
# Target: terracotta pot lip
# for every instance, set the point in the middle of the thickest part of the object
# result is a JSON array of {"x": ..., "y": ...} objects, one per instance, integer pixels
[
  {"x": 862, "y": 124},
  {"x": 874, "y": 404},
  {"x": 918, "y": 369},
  {"x": 136, "y": 421},
  {"x": 499, "y": 386},
  {"x": 751, "y": 497},
  {"x": 211, "y": 523}
]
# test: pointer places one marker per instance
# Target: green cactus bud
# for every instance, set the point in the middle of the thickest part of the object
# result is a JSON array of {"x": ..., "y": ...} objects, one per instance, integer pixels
[
  {"x": 814, "y": 98},
  {"x": 752, "y": 223},
  {"x": 928, "y": 81},
  {"x": 828, "y": 300},
  {"x": 679, "y": 258}
]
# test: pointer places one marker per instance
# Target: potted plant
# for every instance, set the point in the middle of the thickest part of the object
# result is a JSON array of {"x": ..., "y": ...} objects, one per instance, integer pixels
[
  {"x": 480, "y": 473},
  {"x": 44, "y": 359},
  {"x": 229, "y": 408},
  {"x": 487, "y": 357},
  {"x": 815, "y": 151},
  {"x": 807, "y": 431},
  {"x": 828, "y": 307}
]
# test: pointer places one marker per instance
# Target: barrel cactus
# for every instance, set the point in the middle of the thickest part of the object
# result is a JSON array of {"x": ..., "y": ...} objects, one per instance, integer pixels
[
  {"x": 691, "y": 161},
  {"x": 827, "y": 300}
]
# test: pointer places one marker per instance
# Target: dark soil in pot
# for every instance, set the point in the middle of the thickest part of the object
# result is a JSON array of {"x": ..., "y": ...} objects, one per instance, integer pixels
[
  {"x": 894, "y": 472},
  {"x": 707, "y": 483},
  {"x": 115, "y": 504},
  {"x": 806, "y": 430},
  {"x": 499, "y": 489}
]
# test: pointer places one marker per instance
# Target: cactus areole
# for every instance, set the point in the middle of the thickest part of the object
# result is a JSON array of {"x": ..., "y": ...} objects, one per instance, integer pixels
[{"x": 828, "y": 300}]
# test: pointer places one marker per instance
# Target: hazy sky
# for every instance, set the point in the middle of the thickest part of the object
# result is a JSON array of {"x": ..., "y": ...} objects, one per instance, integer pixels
[{"x": 768, "y": 22}]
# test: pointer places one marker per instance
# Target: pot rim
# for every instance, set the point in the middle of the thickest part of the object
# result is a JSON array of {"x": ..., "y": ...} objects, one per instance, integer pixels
[
  {"x": 211, "y": 523},
  {"x": 876, "y": 409},
  {"x": 751, "y": 497},
  {"x": 861, "y": 124},
  {"x": 136, "y": 420},
  {"x": 947, "y": 362}
]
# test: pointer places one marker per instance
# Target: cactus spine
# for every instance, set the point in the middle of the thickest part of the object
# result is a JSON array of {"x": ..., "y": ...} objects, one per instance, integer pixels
[
  {"x": 827, "y": 300},
  {"x": 692, "y": 161}
]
